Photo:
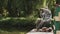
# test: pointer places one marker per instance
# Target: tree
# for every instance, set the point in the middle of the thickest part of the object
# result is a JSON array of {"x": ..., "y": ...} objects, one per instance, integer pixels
[
  {"x": 1, "y": 10},
  {"x": 23, "y": 7}
]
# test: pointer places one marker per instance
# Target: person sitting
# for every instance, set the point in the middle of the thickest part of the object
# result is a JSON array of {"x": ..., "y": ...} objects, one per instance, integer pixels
[{"x": 46, "y": 16}]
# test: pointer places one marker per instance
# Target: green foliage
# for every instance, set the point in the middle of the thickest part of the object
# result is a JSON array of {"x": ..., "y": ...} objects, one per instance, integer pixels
[
  {"x": 19, "y": 24},
  {"x": 23, "y": 8}
]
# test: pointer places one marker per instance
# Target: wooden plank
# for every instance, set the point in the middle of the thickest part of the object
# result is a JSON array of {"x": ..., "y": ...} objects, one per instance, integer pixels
[
  {"x": 59, "y": 14},
  {"x": 57, "y": 32},
  {"x": 56, "y": 18}
]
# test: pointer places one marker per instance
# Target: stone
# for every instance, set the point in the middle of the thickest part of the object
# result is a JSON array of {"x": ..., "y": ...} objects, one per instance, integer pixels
[{"x": 33, "y": 31}]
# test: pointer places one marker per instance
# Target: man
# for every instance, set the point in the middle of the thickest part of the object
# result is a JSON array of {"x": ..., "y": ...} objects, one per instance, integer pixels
[{"x": 46, "y": 16}]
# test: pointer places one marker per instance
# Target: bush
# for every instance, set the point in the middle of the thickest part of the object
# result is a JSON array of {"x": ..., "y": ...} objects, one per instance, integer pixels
[{"x": 19, "y": 24}]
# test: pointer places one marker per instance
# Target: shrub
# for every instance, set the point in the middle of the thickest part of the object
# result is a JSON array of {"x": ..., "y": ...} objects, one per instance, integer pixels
[{"x": 19, "y": 24}]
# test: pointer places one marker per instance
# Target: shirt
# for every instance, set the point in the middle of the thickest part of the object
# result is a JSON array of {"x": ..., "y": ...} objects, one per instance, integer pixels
[{"x": 46, "y": 15}]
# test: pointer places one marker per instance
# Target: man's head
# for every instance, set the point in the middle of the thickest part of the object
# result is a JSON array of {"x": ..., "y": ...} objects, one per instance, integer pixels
[{"x": 45, "y": 10}]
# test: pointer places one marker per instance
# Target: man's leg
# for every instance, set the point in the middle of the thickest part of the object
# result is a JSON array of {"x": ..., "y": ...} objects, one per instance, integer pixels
[{"x": 40, "y": 25}]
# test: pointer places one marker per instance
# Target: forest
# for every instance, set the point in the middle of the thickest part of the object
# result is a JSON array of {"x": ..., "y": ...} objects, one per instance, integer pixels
[{"x": 19, "y": 16}]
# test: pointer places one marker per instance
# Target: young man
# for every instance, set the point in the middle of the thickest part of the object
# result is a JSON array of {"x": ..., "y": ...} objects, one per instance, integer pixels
[{"x": 46, "y": 16}]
